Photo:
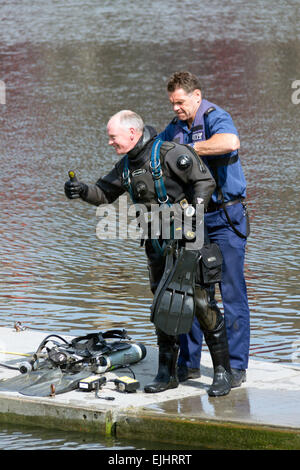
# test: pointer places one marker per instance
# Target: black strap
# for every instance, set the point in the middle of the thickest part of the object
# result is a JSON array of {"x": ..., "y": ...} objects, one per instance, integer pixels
[
  {"x": 240, "y": 234},
  {"x": 215, "y": 163},
  {"x": 93, "y": 339},
  {"x": 95, "y": 344},
  {"x": 122, "y": 334},
  {"x": 223, "y": 206}
]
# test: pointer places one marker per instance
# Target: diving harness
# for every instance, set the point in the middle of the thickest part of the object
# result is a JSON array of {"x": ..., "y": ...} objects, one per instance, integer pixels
[{"x": 91, "y": 351}]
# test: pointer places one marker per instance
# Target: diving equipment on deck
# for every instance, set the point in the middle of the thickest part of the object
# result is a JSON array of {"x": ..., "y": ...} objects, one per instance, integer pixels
[{"x": 66, "y": 363}]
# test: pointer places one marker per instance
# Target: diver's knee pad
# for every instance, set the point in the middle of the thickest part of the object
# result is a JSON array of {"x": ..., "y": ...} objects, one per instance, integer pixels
[{"x": 207, "y": 312}]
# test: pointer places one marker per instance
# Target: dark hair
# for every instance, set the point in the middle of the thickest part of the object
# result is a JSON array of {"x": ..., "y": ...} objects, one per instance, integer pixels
[{"x": 185, "y": 80}]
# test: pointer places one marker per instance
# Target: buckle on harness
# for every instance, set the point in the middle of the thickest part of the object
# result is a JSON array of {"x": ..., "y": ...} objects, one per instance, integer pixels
[
  {"x": 163, "y": 201},
  {"x": 184, "y": 203},
  {"x": 156, "y": 170}
]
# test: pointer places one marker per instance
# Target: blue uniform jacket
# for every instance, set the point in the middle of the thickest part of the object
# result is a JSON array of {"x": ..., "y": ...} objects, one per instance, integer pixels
[{"x": 214, "y": 120}]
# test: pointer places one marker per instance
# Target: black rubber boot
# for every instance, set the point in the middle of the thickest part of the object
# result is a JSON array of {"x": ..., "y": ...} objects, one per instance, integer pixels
[
  {"x": 216, "y": 341},
  {"x": 185, "y": 373},
  {"x": 166, "y": 377},
  {"x": 238, "y": 377}
]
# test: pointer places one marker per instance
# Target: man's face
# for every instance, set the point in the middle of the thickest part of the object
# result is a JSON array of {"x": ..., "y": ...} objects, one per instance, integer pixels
[
  {"x": 185, "y": 105},
  {"x": 120, "y": 137}
]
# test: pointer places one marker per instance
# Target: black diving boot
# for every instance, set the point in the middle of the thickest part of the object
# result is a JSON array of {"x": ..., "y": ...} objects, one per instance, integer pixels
[
  {"x": 216, "y": 341},
  {"x": 166, "y": 377}
]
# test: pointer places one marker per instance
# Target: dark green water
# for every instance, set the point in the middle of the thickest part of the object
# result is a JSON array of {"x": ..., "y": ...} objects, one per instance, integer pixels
[{"x": 24, "y": 438}]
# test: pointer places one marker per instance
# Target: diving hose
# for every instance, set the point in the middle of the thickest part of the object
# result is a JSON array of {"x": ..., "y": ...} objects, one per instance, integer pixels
[
  {"x": 28, "y": 366},
  {"x": 23, "y": 367}
]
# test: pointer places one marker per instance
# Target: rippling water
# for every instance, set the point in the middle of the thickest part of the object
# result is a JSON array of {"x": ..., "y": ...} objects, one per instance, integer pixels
[{"x": 67, "y": 68}]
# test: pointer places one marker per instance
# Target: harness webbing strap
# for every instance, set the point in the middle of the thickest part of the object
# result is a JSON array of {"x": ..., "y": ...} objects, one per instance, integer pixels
[
  {"x": 155, "y": 166},
  {"x": 159, "y": 185},
  {"x": 160, "y": 188}
]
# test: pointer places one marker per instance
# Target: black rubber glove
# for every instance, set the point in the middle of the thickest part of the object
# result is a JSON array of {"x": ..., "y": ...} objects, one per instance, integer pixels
[{"x": 75, "y": 189}]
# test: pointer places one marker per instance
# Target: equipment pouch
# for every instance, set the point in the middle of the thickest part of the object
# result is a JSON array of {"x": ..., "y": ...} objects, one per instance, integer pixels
[{"x": 210, "y": 265}]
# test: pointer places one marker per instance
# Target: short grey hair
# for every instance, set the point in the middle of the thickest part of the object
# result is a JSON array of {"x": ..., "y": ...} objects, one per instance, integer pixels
[{"x": 129, "y": 119}]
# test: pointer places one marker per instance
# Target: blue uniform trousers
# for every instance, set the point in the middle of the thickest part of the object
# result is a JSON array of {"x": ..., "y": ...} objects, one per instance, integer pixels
[{"x": 233, "y": 291}]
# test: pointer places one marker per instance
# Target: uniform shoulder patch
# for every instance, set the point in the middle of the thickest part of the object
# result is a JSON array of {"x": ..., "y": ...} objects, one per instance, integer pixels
[{"x": 209, "y": 110}]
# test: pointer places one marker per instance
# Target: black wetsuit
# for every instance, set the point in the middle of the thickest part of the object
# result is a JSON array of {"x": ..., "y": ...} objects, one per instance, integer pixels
[{"x": 185, "y": 176}]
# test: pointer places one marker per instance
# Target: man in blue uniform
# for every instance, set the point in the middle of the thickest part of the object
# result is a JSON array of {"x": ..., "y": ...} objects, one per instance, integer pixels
[{"x": 212, "y": 133}]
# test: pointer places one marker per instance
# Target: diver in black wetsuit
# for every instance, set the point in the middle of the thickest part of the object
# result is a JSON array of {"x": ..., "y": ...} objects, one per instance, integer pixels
[{"x": 184, "y": 178}]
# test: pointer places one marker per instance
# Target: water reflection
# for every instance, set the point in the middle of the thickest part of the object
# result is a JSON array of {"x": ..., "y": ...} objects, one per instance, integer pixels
[{"x": 63, "y": 83}]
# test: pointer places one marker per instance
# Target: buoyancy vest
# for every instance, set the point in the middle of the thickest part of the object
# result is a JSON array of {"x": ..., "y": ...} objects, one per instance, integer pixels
[
  {"x": 168, "y": 176},
  {"x": 140, "y": 185},
  {"x": 163, "y": 179}
]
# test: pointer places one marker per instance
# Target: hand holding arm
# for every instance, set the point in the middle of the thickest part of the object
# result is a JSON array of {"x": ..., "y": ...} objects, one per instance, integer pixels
[{"x": 218, "y": 144}]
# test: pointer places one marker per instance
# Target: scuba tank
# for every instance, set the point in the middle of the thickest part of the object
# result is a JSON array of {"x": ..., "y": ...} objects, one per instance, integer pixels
[{"x": 123, "y": 357}]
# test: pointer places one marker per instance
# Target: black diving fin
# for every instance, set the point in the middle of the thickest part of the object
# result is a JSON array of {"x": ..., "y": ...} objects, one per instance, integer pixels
[
  {"x": 61, "y": 383},
  {"x": 173, "y": 304},
  {"x": 39, "y": 383},
  {"x": 22, "y": 381}
]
